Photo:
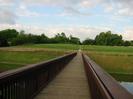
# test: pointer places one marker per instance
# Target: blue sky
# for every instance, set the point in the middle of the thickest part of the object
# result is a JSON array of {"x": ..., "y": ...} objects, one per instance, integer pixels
[{"x": 81, "y": 18}]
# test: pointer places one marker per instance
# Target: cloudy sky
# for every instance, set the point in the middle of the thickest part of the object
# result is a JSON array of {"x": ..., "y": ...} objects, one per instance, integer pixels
[{"x": 81, "y": 18}]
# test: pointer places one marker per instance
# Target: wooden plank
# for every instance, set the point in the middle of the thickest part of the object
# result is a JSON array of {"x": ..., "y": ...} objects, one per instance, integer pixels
[{"x": 69, "y": 84}]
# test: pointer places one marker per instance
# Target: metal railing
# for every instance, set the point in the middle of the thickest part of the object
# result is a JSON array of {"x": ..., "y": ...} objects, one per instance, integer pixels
[
  {"x": 28, "y": 81},
  {"x": 102, "y": 85}
]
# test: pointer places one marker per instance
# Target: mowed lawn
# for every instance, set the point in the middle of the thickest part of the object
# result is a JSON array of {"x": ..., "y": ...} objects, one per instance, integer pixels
[
  {"x": 12, "y": 58},
  {"x": 118, "y": 61}
]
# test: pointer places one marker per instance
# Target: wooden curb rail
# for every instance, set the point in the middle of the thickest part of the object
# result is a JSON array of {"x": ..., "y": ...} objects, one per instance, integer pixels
[
  {"x": 26, "y": 82},
  {"x": 102, "y": 85}
]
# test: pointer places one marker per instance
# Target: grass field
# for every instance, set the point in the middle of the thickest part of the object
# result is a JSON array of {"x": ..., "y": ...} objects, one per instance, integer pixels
[
  {"x": 66, "y": 47},
  {"x": 118, "y": 61},
  {"x": 110, "y": 49},
  {"x": 12, "y": 58},
  {"x": 114, "y": 63}
]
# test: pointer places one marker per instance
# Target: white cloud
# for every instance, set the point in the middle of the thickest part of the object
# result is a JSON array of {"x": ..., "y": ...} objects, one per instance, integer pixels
[
  {"x": 23, "y": 11},
  {"x": 119, "y": 7},
  {"x": 73, "y": 12},
  {"x": 51, "y": 2},
  {"x": 63, "y": 3},
  {"x": 82, "y": 32},
  {"x": 128, "y": 33},
  {"x": 11, "y": 9},
  {"x": 7, "y": 15},
  {"x": 6, "y": 2},
  {"x": 69, "y": 7}
]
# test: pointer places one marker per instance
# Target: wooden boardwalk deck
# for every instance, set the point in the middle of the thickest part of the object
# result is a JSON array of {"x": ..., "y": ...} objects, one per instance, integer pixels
[{"x": 71, "y": 83}]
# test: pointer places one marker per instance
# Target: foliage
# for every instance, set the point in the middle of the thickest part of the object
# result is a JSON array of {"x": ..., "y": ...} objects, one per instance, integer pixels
[
  {"x": 60, "y": 38},
  {"x": 88, "y": 42},
  {"x": 126, "y": 43},
  {"x": 108, "y": 38},
  {"x": 30, "y": 38},
  {"x": 6, "y": 36},
  {"x": 74, "y": 40},
  {"x": 12, "y": 37}
]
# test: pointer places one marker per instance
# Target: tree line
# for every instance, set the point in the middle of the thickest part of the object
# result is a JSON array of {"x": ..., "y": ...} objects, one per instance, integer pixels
[
  {"x": 11, "y": 37},
  {"x": 109, "y": 39}
]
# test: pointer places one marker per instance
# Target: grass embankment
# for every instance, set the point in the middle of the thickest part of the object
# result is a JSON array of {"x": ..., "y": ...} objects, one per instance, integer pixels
[
  {"x": 12, "y": 58},
  {"x": 118, "y": 61}
]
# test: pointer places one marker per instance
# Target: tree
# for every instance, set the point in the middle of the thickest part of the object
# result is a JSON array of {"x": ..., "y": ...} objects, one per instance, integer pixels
[
  {"x": 45, "y": 39},
  {"x": 6, "y": 36},
  {"x": 107, "y": 38},
  {"x": 74, "y": 40},
  {"x": 3, "y": 42},
  {"x": 131, "y": 43},
  {"x": 60, "y": 38},
  {"x": 116, "y": 40},
  {"x": 127, "y": 43},
  {"x": 100, "y": 39},
  {"x": 20, "y": 39},
  {"x": 88, "y": 42}
]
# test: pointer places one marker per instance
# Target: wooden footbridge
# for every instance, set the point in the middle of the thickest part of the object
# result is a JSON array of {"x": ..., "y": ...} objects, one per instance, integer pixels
[{"x": 73, "y": 76}]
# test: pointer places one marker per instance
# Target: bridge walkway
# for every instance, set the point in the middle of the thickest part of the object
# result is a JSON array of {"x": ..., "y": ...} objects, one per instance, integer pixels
[{"x": 70, "y": 83}]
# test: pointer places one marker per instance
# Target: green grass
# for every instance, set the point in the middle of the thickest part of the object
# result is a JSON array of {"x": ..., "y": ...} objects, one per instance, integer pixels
[
  {"x": 16, "y": 59},
  {"x": 114, "y": 63},
  {"x": 123, "y": 77},
  {"x": 53, "y": 46},
  {"x": 18, "y": 56},
  {"x": 8, "y": 66},
  {"x": 94, "y": 48},
  {"x": 118, "y": 61},
  {"x": 109, "y": 49}
]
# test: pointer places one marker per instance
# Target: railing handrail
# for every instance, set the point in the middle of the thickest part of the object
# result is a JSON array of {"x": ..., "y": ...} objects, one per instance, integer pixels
[
  {"x": 28, "y": 81},
  {"x": 29, "y": 67},
  {"x": 109, "y": 88}
]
